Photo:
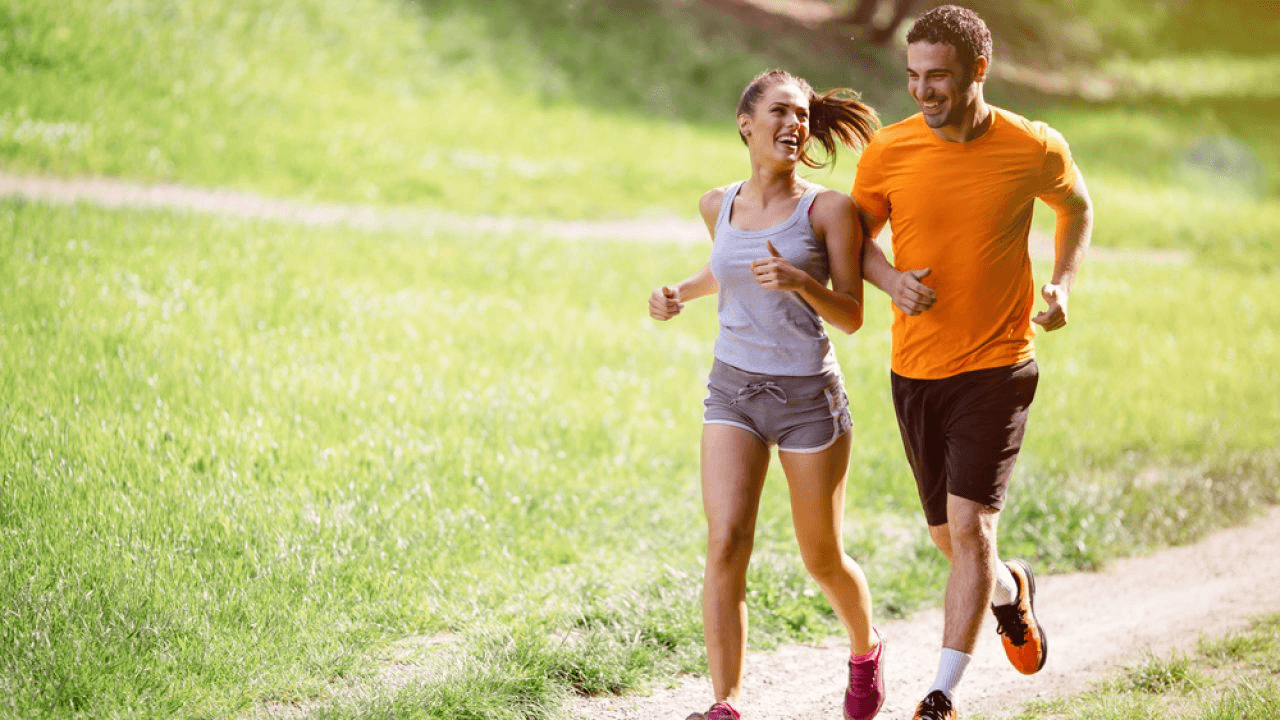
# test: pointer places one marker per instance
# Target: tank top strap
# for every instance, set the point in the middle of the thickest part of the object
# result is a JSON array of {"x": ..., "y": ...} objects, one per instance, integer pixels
[
  {"x": 805, "y": 206},
  {"x": 726, "y": 205}
]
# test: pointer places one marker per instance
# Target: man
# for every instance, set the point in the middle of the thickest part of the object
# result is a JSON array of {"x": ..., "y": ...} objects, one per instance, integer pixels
[{"x": 958, "y": 182}]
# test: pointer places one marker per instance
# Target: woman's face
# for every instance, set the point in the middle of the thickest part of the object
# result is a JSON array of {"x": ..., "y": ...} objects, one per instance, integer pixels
[{"x": 778, "y": 127}]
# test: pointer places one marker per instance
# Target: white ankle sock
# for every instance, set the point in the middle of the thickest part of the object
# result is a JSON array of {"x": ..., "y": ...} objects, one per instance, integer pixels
[
  {"x": 950, "y": 669},
  {"x": 1006, "y": 589}
]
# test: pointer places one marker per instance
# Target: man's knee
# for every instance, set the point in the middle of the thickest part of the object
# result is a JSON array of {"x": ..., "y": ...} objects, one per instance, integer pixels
[
  {"x": 941, "y": 536},
  {"x": 970, "y": 525}
]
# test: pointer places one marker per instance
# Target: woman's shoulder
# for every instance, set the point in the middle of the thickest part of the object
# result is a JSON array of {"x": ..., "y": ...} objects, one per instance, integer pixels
[
  {"x": 716, "y": 194},
  {"x": 709, "y": 204},
  {"x": 828, "y": 200},
  {"x": 831, "y": 211}
]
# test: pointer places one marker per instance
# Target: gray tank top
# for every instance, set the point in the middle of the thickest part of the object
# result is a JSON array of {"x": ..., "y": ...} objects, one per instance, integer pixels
[{"x": 767, "y": 331}]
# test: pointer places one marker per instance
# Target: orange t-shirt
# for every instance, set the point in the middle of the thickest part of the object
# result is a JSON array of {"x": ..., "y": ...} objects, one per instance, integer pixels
[{"x": 963, "y": 210}]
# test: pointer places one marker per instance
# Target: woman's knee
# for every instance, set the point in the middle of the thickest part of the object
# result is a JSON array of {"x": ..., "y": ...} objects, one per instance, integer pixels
[
  {"x": 823, "y": 560},
  {"x": 730, "y": 547}
]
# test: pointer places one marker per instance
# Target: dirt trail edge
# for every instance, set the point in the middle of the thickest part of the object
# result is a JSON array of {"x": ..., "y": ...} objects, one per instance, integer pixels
[
  {"x": 1094, "y": 623},
  {"x": 129, "y": 194}
]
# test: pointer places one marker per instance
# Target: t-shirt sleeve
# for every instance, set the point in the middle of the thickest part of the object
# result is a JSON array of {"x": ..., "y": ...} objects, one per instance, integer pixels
[
  {"x": 1058, "y": 173},
  {"x": 868, "y": 187}
]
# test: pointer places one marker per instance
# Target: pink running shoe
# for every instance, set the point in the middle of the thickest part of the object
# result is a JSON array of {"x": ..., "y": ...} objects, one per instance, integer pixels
[
  {"x": 719, "y": 711},
  {"x": 865, "y": 694}
]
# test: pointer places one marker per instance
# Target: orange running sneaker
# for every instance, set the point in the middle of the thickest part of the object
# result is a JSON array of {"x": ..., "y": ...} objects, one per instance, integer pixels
[
  {"x": 935, "y": 706},
  {"x": 1024, "y": 642}
]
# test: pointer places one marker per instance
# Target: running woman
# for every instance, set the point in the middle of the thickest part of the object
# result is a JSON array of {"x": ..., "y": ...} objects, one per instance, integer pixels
[
  {"x": 785, "y": 256},
  {"x": 957, "y": 181}
]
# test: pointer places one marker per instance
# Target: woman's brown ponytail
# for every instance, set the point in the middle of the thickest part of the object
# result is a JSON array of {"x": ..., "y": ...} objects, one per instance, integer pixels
[{"x": 838, "y": 117}]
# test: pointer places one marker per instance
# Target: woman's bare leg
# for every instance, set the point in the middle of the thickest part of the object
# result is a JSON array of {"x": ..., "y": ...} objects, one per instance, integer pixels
[
  {"x": 817, "y": 482},
  {"x": 734, "y": 464}
]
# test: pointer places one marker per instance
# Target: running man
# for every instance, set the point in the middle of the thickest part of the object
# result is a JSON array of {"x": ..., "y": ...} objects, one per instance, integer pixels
[{"x": 957, "y": 183}]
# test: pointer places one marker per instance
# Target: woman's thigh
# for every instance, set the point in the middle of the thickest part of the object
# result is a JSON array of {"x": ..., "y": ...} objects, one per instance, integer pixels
[
  {"x": 734, "y": 464},
  {"x": 817, "y": 483}
]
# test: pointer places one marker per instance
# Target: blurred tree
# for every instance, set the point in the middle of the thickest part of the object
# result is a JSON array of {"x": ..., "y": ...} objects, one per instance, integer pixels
[
  {"x": 865, "y": 12},
  {"x": 1049, "y": 33},
  {"x": 1041, "y": 32},
  {"x": 1038, "y": 35}
]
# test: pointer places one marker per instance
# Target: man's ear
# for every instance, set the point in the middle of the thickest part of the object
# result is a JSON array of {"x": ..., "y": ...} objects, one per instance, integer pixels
[{"x": 980, "y": 67}]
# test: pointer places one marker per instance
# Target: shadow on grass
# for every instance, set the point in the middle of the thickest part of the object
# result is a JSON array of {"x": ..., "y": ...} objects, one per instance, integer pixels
[{"x": 682, "y": 61}]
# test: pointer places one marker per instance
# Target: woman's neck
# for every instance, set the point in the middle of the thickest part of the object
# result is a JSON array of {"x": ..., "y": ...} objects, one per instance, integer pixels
[{"x": 771, "y": 185}]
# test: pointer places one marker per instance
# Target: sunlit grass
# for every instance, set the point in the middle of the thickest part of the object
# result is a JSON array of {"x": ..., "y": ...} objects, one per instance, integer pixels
[
  {"x": 447, "y": 105},
  {"x": 1203, "y": 76},
  {"x": 241, "y": 456},
  {"x": 1237, "y": 681},
  {"x": 1203, "y": 178}
]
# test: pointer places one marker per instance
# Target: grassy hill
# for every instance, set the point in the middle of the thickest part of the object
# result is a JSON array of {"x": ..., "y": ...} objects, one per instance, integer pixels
[
  {"x": 607, "y": 108},
  {"x": 548, "y": 108}
]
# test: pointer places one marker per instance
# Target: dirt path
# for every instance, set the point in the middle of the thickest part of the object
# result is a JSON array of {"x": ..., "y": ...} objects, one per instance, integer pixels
[
  {"x": 116, "y": 193},
  {"x": 1094, "y": 623}
]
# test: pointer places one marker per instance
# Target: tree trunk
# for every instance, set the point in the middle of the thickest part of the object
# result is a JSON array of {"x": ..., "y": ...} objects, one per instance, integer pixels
[
  {"x": 901, "y": 9},
  {"x": 863, "y": 12}
]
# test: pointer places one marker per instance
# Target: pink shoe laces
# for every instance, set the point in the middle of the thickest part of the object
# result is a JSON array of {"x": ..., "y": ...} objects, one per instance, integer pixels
[{"x": 722, "y": 711}]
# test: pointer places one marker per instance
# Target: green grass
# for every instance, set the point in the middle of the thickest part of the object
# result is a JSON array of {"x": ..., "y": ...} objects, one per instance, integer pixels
[
  {"x": 541, "y": 108},
  {"x": 1187, "y": 77},
  {"x": 555, "y": 109},
  {"x": 418, "y": 105},
  {"x": 233, "y": 470},
  {"x": 1203, "y": 177},
  {"x": 1225, "y": 678}
]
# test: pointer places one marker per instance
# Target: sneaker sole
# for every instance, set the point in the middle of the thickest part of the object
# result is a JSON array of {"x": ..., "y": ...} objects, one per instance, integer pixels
[{"x": 1031, "y": 602}]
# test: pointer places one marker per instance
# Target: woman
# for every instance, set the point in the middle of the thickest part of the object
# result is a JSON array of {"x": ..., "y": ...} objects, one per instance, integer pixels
[{"x": 785, "y": 257}]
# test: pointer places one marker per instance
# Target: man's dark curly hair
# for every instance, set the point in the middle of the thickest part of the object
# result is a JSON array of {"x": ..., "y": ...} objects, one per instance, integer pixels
[{"x": 959, "y": 27}]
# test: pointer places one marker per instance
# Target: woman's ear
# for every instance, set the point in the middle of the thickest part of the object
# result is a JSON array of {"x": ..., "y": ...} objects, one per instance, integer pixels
[{"x": 744, "y": 125}]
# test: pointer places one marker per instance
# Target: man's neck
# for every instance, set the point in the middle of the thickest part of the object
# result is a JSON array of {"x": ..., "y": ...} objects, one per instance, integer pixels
[{"x": 976, "y": 122}]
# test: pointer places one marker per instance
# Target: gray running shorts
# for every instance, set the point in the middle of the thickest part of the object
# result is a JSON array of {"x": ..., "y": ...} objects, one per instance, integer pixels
[{"x": 798, "y": 414}]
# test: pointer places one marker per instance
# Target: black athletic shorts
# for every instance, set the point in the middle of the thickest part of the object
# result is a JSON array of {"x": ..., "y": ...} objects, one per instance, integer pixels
[{"x": 962, "y": 434}]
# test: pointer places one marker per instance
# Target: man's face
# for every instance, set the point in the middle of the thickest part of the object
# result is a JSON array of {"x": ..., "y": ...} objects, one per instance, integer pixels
[{"x": 939, "y": 84}]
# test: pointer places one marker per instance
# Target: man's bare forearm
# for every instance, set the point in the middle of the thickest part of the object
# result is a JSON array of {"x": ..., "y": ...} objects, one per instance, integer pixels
[
  {"x": 876, "y": 268},
  {"x": 1071, "y": 241}
]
